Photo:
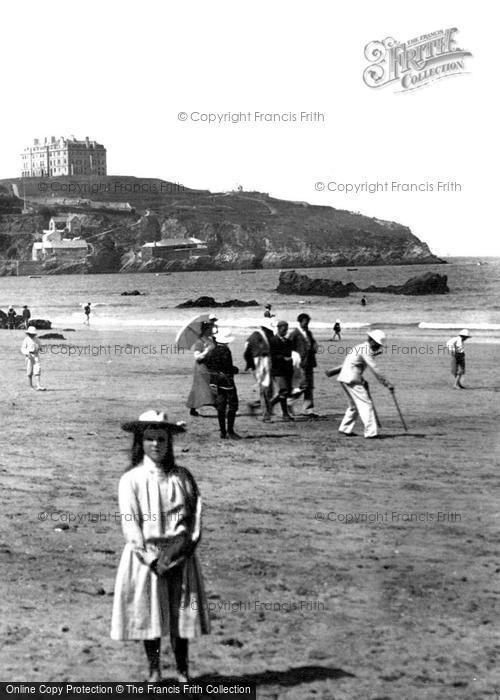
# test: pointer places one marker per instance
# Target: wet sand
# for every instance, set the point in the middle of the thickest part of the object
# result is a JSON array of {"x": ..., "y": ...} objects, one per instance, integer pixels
[{"x": 400, "y": 602}]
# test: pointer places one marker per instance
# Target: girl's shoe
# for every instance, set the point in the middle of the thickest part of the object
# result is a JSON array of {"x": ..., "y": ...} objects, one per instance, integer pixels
[{"x": 154, "y": 676}]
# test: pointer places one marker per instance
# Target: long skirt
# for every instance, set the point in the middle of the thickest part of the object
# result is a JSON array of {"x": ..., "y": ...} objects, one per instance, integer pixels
[
  {"x": 147, "y": 606},
  {"x": 201, "y": 394}
]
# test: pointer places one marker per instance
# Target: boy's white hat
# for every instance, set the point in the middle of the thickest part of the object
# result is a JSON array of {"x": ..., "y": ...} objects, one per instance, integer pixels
[
  {"x": 465, "y": 333},
  {"x": 31, "y": 330},
  {"x": 224, "y": 337}
]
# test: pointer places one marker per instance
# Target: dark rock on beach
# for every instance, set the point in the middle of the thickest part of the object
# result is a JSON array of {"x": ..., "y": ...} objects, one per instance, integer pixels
[
  {"x": 210, "y": 303},
  {"x": 52, "y": 336},
  {"x": 133, "y": 293},
  {"x": 290, "y": 282},
  {"x": 41, "y": 324}
]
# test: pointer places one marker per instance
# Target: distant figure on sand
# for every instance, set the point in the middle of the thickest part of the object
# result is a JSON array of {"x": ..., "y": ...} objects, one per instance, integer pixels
[
  {"x": 336, "y": 330},
  {"x": 86, "y": 311},
  {"x": 31, "y": 348},
  {"x": 363, "y": 301},
  {"x": 219, "y": 362},
  {"x": 303, "y": 342},
  {"x": 267, "y": 312},
  {"x": 456, "y": 348},
  {"x": 201, "y": 394},
  {"x": 257, "y": 355},
  {"x": 11, "y": 318},
  {"x": 159, "y": 589},
  {"x": 26, "y": 317},
  {"x": 356, "y": 387}
]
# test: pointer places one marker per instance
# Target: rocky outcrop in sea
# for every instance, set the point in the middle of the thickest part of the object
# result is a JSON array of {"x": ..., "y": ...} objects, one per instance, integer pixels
[{"x": 292, "y": 282}]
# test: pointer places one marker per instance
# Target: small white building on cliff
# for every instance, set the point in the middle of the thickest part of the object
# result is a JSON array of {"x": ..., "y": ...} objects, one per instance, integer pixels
[{"x": 61, "y": 241}]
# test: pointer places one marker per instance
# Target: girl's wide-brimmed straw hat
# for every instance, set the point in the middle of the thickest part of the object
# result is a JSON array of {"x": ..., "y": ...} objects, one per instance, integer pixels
[
  {"x": 153, "y": 419},
  {"x": 31, "y": 330}
]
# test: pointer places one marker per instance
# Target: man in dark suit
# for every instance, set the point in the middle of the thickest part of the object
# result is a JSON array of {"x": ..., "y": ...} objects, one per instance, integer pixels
[{"x": 303, "y": 342}]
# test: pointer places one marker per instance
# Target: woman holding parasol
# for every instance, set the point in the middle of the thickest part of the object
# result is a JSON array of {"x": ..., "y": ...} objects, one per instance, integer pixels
[{"x": 198, "y": 334}]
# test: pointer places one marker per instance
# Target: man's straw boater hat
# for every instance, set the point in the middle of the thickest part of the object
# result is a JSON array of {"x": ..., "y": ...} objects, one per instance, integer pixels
[
  {"x": 378, "y": 336},
  {"x": 152, "y": 419}
]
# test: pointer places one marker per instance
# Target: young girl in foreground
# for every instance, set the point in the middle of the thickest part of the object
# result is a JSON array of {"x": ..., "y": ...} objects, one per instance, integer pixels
[{"x": 159, "y": 589}]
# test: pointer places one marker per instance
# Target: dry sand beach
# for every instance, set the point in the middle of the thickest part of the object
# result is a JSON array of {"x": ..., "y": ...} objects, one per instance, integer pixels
[{"x": 303, "y": 602}]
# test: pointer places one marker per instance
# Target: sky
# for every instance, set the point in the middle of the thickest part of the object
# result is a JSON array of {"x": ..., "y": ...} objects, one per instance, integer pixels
[{"x": 122, "y": 73}]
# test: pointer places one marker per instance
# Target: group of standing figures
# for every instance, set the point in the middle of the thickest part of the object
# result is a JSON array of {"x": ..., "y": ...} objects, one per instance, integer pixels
[
  {"x": 13, "y": 321},
  {"x": 283, "y": 365}
]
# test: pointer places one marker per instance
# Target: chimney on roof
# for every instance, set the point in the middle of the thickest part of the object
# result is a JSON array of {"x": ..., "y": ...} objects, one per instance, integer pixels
[
  {"x": 35, "y": 142},
  {"x": 72, "y": 137},
  {"x": 52, "y": 139}
]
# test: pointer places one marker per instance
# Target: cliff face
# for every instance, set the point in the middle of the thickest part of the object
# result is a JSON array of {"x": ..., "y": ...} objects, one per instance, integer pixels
[{"x": 242, "y": 229}]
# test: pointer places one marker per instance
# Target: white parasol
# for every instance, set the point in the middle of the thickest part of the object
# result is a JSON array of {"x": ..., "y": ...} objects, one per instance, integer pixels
[{"x": 191, "y": 332}]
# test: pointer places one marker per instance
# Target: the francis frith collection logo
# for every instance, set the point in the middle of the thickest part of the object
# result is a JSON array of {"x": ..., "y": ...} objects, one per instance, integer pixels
[{"x": 414, "y": 63}]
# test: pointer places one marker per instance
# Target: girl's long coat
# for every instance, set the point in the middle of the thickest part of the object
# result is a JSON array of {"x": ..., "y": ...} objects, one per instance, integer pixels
[{"x": 155, "y": 505}]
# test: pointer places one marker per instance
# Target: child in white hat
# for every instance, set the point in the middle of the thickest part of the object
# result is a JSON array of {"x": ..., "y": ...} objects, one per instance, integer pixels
[
  {"x": 457, "y": 350},
  {"x": 31, "y": 348}
]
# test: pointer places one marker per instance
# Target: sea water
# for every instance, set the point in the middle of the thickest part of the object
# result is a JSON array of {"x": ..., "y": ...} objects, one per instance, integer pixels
[{"x": 473, "y": 300}]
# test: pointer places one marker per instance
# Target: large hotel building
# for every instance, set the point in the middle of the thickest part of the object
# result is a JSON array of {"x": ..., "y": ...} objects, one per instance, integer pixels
[{"x": 61, "y": 156}]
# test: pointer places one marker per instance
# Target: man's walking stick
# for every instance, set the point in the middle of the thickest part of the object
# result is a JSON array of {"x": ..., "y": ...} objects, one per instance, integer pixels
[
  {"x": 373, "y": 405},
  {"x": 398, "y": 409}
]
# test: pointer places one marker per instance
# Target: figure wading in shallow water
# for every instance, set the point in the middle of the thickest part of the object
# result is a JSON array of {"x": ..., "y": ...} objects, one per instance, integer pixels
[{"x": 159, "y": 588}]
